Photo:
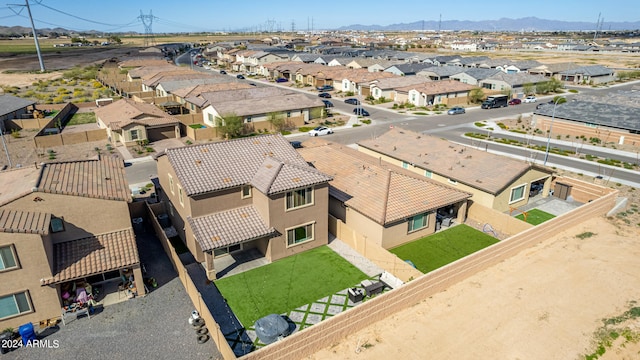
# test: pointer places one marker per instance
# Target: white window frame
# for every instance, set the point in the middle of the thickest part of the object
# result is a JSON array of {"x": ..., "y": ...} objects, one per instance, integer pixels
[
  {"x": 171, "y": 184},
  {"x": 310, "y": 203},
  {"x": 524, "y": 191},
  {"x": 180, "y": 195},
  {"x": 242, "y": 192},
  {"x": 410, "y": 227},
  {"x": 428, "y": 174},
  {"x": 14, "y": 257},
  {"x": 405, "y": 165},
  {"x": 134, "y": 131},
  {"x": 27, "y": 299},
  {"x": 292, "y": 229},
  {"x": 452, "y": 182}
]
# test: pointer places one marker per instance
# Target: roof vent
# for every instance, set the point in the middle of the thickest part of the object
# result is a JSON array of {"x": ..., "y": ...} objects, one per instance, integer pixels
[
  {"x": 204, "y": 150},
  {"x": 244, "y": 215},
  {"x": 198, "y": 162},
  {"x": 216, "y": 238},
  {"x": 296, "y": 179},
  {"x": 227, "y": 180}
]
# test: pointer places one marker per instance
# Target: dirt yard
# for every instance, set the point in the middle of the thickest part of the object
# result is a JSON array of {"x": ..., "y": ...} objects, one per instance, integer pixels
[{"x": 548, "y": 302}]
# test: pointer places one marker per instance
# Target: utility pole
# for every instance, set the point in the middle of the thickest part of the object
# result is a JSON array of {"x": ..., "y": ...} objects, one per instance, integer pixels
[
  {"x": 4, "y": 144},
  {"x": 33, "y": 29}
]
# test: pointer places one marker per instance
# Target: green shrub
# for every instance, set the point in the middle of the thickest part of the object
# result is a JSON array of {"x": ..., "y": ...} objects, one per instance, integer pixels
[{"x": 304, "y": 129}]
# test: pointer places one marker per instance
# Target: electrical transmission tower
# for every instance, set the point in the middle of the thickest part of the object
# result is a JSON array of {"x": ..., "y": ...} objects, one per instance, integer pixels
[{"x": 147, "y": 21}]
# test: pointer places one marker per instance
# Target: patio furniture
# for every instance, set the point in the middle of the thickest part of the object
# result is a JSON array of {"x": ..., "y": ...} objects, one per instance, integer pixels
[
  {"x": 355, "y": 295},
  {"x": 371, "y": 287},
  {"x": 74, "y": 311}
]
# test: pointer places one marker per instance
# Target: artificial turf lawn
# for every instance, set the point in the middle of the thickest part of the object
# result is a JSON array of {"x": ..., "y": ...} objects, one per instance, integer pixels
[
  {"x": 444, "y": 247},
  {"x": 535, "y": 216},
  {"x": 288, "y": 283}
]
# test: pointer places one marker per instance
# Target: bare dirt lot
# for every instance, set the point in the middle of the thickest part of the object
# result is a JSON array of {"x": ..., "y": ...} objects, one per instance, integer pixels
[{"x": 547, "y": 302}]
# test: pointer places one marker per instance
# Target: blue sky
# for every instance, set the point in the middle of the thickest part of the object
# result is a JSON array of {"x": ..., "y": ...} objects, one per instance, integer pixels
[{"x": 252, "y": 15}]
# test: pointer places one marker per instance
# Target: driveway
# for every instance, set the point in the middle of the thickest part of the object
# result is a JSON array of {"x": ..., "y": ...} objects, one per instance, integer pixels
[{"x": 151, "y": 327}]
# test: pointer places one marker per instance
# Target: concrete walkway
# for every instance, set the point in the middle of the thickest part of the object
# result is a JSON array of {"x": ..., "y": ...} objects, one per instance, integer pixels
[{"x": 365, "y": 265}]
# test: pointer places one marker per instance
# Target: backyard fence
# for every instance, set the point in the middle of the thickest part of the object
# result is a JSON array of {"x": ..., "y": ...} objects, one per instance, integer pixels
[
  {"x": 336, "y": 328},
  {"x": 189, "y": 286},
  {"x": 499, "y": 221}
]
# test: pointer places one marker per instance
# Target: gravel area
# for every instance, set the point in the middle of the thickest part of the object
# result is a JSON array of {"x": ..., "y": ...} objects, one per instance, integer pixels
[{"x": 151, "y": 327}]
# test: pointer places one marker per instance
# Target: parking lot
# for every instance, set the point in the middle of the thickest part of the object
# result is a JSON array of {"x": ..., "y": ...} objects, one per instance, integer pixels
[{"x": 151, "y": 327}]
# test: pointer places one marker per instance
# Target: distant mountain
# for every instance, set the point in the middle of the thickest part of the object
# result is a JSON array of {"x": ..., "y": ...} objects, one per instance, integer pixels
[
  {"x": 504, "y": 24},
  {"x": 8, "y": 31}
]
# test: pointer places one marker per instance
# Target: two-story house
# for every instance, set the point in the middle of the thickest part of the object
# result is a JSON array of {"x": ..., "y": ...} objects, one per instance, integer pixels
[{"x": 245, "y": 193}]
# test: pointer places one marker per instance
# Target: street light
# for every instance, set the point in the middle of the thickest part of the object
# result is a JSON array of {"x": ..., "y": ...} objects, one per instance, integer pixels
[{"x": 557, "y": 100}]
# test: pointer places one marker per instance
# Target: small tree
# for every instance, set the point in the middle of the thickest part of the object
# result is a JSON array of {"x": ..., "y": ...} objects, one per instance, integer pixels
[
  {"x": 231, "y": 125},
  {"x": 476, "y": 95},
  {"x": 555, "y": 85},
  {"x": 506, "y": 91},
  {"x": 529, "y": 88},
  {"x": 277, "y": 120}
]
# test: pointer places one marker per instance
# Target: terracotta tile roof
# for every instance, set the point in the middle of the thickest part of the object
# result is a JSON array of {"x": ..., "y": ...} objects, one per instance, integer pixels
[
  {"x": 228, "y": 228},
  {"x": 143, "y": 62},
  {"x": 399, "y": 81},
  {"x": 16, "y": 221},
  {"x": 173, "y": 76},
  {"x": 196, "y": 90},
  {"x": 382, "y": 192},
  {"x": 266, "y": 105},
  {"x": 227, "y": 164},
  {"x": 438, "y": 87},
  {"x": 103, "y": 179},
  {"x": 149, "y": 71},
  {"x": 479, "y": 169},
  {"x": 125, "y": 112},
  {"x": 93, "y": 255}
]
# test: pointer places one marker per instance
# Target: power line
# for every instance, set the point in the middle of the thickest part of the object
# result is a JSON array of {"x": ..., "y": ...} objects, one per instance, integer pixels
[{"x": 75, "y": 16}]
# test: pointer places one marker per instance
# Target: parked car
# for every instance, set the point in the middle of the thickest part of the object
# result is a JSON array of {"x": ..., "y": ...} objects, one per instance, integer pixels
[
  {"x": 296, "y": 144},
  {"x": 352, "y": 101},
  {"x": 223, "y": 72},
  {"x": 325, "y": 88},
  {"x": 320, "y": 130},
  {"x": 360, "y": 111},
  {"x": 240, "y": 76},
  {"x": 515, "y": 102},
  {"x": 325, "y": 95},
  {"x": 280, "y": 80},
  {"x": 327, "y": 103},
  {"x": 530, "y": 99},
  {"x": 456, "y": 110}
]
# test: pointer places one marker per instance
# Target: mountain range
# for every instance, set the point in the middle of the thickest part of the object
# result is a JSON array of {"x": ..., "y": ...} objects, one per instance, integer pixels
[{"x": 503, "y": 24}]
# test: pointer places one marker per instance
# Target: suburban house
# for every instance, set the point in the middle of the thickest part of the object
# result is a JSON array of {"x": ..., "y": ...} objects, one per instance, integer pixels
[
  {"x": 359, "y": 80},
  {"x": 372, "y": 65},
  {"x": 514, "y": 82},
  {"x": 191, "y": 97},
  {"x": 473, "y": 76},
  {"x": 181, "y": 74},
  {"x": 249, "y": 193},
  {"x": 464, "y": 46},
  {"x": 46, "y": 243},
  {"x": 593, "y": 74},
  {"x": 497, "y": 182},
  {"x": 508, "y": 66},
  {"x": 167, "y": 87},
  {"x": 128, "y": 122},
  {"x": 448, "y": 92},
  {"x": 386, "y": 87},
  {"x": 386, "y": 204},
  {"x": 407, "y": 68},
  {"x": 552, "y": 70},
  {"x": 440, "y": 72},
  {"x": 13, "y": 107}
]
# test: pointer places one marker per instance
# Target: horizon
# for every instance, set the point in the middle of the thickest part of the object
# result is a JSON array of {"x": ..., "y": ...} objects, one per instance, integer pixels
[{"x": 285, "y": 15}]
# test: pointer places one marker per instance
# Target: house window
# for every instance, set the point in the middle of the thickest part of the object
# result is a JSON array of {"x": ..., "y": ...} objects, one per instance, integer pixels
[
  {"x": 288, "y": 114},
  {"x": 299, "y": 198},
  {"x": 180, "y": 195},
  {"x": 453, "y": 182},
  {"x": 7, "y": 258},
  {"x": 517, "y": 193},
  {"x": 405, "y": 165},
  {"x": 192, "y": 107},
  {"x": 171, "y": 184},
  {"x": 248, "y": 119},
  {"x": 299, "y": 234},
  {"x": 210, "y": 116},
  {"x": 134, "y": 134},
  {"x": 57, "y": 224},
  {"x": 428, "y": 174},
  {"x": 418, "y": 222},
  {"x": 246, "y": 191},
  {"x": 14, "y": 304}
]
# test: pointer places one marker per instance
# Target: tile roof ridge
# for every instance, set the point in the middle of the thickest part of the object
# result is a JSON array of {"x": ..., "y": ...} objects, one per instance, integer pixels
[
  {"x": 129, "y": 230},
  {"x": 385, "y": 202},
  {"x": 275, "y": 174}
]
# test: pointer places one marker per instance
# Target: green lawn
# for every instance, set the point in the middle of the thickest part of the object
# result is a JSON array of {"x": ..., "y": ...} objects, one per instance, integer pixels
[
  {"x": 444, "y": 247},
  {"x": 287, "y": 284},
  {"x": 82, "y": 118},
  {"x": 535, "y": 216}
]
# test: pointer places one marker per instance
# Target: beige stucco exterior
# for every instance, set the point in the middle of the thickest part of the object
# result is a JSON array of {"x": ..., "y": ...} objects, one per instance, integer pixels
[
  {"x": 271, "y": 209},
  {"x": 499, "y": 201}
]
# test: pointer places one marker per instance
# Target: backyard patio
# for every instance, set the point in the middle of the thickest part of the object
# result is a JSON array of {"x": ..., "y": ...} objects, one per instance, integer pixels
[{"x": 444, "y": 247}]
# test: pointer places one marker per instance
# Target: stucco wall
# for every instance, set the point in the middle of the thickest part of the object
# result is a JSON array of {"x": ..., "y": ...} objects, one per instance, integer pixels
[
  {"x": 33, "y": 266},
  {"x": 501, "y": 202}
]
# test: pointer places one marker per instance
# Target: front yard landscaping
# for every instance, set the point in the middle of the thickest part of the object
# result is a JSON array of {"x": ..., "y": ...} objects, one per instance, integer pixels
[
  {"x": 287, "y": 284},
  {"x": 444, "y": 247},
  {"x": 535, "y": 216}
]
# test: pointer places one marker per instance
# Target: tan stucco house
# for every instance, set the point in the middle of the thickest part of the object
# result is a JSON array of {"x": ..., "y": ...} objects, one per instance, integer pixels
[
  {"x": 496, "y": 181},
  {"x": 61, "y": 223},
  {"x": 255, "y": 192},
  {"x": 129, "y": 122},
  {"x": 381, "y": 202}
]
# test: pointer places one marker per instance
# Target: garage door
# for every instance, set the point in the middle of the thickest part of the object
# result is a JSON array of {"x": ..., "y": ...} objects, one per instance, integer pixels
[{"x": 161, "y": 133}]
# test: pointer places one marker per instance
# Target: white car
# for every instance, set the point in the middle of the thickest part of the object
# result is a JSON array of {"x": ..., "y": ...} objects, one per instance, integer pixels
[
  {"x": 529, "y": 99},
  {"x": 320, "y": 130}
]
